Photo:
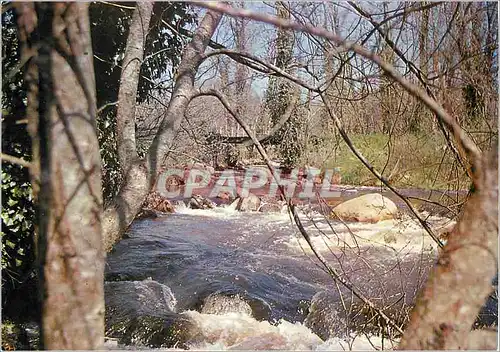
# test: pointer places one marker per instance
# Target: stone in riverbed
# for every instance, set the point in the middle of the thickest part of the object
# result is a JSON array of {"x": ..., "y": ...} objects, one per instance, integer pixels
[
  {"x": 142, "y": 313},
  {"x": 222, "y": 304},
  {"x": 250, "y": 203},
  {"x": 226, "y": 196},
  {"x": 146, "y": 214},
  {"x": 199, "y": 202},
  {"x": 371, "y": 208},
  {"x": 156, "y": 201}
]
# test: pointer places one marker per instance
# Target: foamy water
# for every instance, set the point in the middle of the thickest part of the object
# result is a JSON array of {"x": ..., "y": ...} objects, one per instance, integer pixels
[
  {"x": 262, "y": 258},
  {"x": 404, "y": 235},
  {"x": 236, "y": 331}
]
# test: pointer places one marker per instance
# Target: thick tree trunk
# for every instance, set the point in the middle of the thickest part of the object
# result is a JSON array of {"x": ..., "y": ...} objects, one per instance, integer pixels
[
  {"x": 141, "y": 175},
  {"x": 461, "y": 281},
  {"x": 62, "y": 117},
  {"x": 131, "y": 67}
]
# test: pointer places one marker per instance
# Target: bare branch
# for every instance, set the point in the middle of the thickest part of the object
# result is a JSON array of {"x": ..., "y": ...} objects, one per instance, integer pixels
[
  {"x": 293, "y": 212},
  {"x": 460, "y": 135},
  {"x": 420, "y": 76},
  {"x": 15, "y": 160}
]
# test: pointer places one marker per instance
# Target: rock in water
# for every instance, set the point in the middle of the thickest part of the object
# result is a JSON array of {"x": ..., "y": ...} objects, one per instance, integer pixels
[
  {"x": 226, "y": 195},
  {"x": 200, "y": 202},
  {"x": 146, "y": 214},
  {"x": 250, "y": 203},
  {"x": 142, "y": 313},
  {"x": 371, "y": 207},
  {"x": 221, "y": 304},
  {"x": 156, "y": 201}
]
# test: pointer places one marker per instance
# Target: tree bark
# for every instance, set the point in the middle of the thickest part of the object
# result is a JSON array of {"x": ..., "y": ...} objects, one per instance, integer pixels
[
  {"x": 461, "y": 281},
  {"x": 62, "y": 117},
  {"x": 129, "y": 80},
  {"x": 141, "y": 176}
]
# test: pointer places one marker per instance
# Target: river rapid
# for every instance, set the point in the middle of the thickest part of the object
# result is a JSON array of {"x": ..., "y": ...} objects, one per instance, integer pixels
[{"x": 221, "y": 279}]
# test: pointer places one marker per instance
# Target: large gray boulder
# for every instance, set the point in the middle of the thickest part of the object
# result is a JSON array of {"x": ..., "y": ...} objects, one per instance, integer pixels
[{"x": 371, "y": 208}]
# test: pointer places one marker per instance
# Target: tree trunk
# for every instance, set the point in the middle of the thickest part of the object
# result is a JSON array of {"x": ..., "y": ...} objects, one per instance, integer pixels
[
  {"x": 240, "y": 95},
  {"x": 461, "y": 281},
  {"x": 280, "y": 94},
  {"x": 62, "y": 111},
  {"x": 387, "y": 105},
  {"x": 141, "y": 176},
  {"x": 129, "y": 80}
]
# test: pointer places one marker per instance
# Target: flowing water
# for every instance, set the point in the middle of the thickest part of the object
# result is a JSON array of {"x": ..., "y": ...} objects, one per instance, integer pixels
[{"x": 222, "y": 279}]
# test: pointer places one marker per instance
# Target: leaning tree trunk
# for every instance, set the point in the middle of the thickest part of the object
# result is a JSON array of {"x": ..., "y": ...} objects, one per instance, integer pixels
[
  {"x": 61, "y": 112},
  {"x": 461, "y": 281},
  {"x": 141, "y": 174},
  {"x": 129, "y": 80}
]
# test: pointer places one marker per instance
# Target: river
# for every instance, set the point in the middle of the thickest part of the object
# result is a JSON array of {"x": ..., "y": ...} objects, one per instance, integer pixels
[{"x": 222, "y": 279}]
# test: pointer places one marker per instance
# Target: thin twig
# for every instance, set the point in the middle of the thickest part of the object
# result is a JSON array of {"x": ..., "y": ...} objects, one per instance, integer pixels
[
  {"x": 332, "y": 271},
  {"x": 460, "y": 135}
]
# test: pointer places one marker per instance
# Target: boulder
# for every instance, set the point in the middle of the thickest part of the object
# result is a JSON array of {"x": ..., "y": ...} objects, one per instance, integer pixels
[
  {"x": 221, "y": 304},
  {"x": 225, "y": 195},
  {"x": 199, "y": 202},
  {"x": 146, "y": 214},
  {"x": 142, "y": 313},
  {"x": 371, "y": 208},
  {"x": 156, "y": 201},
  {"x": 250, "y": 203}
]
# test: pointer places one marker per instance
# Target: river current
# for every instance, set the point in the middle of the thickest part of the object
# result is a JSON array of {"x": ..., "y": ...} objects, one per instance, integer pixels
[{"x": 222, "y": 279}]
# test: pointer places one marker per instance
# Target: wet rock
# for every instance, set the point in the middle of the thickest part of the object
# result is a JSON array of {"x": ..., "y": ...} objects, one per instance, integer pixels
[
  {"x": 217, "y": 303},
  {"x": 142, "y": 313},
  {"x": 156, "y": 201},
  {"x": 328, "y": 317},
  {"x": 271, "y": 205},
  {"x": 225, "y": 195},
  {"x": 199, "y": 202},
  {"x": 146, "y": 214},
  {"x": 371, "y": 208},
  {"x": 250, "y": 203},
  {"x": 337, "y": 312}
]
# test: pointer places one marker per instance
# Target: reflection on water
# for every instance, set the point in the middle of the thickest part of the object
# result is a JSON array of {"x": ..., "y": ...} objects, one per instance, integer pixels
[{"x": 242, "y": 281}]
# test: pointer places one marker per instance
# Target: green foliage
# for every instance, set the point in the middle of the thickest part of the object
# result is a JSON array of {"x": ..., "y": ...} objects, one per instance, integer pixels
[
  {"x": 290, "y": 146},
  {"x": 110, "y": 170},
  {"x": 17, "y": 223},
  {"x": 395, "y": 157},
  {"x": 474, "y": 105},
  {"x": 18, "y": 212},
  {"x": 109, "y": 30},
  {"x": 278, "y": 99}
]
